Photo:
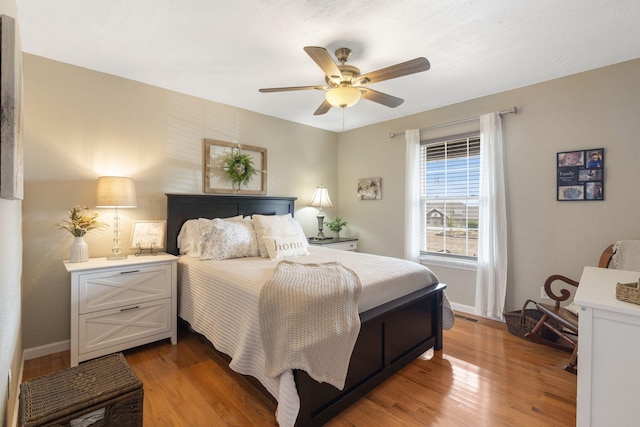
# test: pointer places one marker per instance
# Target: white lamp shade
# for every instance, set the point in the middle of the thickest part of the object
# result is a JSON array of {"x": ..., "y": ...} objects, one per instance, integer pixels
[
  {"x": 343, "y": 96},
  {"x": 116, "y": 192},
  {"x": 321, "y": 198}
]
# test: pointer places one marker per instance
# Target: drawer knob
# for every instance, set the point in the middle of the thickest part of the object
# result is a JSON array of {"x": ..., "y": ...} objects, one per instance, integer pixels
[
  {"x": 129, "y": 272},
  {"x": 130, "y": 308}
]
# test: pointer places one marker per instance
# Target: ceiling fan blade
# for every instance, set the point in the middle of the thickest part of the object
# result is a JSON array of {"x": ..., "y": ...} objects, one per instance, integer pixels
[
  {"x": 324, "y": 61},
  {"x": 381, "y": 98},
  {"x": 403, "y": 69},
  {"x": 286, "y": 89},
  {"x": 323, "y": 108}
]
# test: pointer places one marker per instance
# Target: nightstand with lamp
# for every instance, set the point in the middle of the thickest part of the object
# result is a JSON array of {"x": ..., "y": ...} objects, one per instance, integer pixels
[
  {"x": 120, "y": 302},
  {"x": 321, "y": 200}
]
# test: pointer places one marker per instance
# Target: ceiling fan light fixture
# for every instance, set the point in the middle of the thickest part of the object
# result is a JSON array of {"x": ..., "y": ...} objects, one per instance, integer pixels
[
  {"x": 345, "y": 84},
  {"x": 343, "y": 96}
]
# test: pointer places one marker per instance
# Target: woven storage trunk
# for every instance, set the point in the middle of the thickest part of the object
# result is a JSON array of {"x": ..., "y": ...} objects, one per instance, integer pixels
[{"x": 105, "y": 388}]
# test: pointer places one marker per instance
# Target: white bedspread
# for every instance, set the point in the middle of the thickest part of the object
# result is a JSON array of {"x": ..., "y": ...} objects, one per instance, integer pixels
[{"x": 220, "y": 300}]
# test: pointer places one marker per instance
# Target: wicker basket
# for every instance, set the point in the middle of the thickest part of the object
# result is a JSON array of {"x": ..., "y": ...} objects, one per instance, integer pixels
[
  {"x": 520, "y": 322},
  {"x": 106, "y": 388},
  {"x": 628, "y": 292}
]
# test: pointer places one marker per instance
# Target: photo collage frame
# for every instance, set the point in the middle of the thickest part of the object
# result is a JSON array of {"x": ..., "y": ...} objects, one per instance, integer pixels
[{"x": 580, "y": 175}]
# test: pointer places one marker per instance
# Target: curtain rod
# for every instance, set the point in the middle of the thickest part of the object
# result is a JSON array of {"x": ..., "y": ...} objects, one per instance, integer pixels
[{"x": 513, "y": 110}]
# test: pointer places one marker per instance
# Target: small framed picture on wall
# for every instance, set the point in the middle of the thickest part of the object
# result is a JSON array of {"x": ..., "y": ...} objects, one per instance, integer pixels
[
  {"x": 580, "y": 175},
  {"x": 369, "y": 188}
]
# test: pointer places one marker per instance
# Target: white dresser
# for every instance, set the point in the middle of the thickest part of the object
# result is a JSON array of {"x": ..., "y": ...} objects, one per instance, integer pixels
[
  {"x": 609, "y": 351},
  {"x": 116, "y": 305}
]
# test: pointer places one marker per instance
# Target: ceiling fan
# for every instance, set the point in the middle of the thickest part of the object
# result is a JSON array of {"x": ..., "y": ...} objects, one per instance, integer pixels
[{"x": 345, "y": 86}]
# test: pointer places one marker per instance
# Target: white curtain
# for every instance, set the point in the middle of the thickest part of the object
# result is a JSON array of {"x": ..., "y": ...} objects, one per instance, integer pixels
[
  {"x": 491, "y": 279},
  {"x": 412, "y": 231}
]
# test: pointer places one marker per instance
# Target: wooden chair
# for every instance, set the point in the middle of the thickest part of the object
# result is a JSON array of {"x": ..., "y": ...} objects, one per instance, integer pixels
[{"x": 559, "y": 320}]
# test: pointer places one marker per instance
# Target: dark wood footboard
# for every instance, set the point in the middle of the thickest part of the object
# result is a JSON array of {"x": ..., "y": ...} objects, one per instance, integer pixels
[{"x": 391, "y": 337}]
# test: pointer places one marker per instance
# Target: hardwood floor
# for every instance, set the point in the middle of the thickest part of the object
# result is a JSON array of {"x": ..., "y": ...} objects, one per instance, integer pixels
[{"x": 483, "y": 377}]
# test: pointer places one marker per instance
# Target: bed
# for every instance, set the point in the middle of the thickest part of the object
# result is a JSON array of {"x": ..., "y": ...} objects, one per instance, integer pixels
[{"x": 385, "y": 342}]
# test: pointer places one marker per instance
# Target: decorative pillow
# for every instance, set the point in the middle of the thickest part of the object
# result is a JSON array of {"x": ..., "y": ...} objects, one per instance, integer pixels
[
  {"x": 229, "y": 239},
  {"x": 276, "y": 225},
  {"x": 190, "y": 236},
  {"x": 280, "y": 247}
]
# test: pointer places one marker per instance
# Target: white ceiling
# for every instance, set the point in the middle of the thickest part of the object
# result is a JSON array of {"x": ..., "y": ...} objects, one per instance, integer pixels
[{"x": 225, "y": 50}]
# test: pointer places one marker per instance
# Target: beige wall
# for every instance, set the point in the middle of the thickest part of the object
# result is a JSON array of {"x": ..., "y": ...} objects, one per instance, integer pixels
[
  {"x": 80, "y": 124},
  {"x": 10, "y": 298},
  {"x": 595, "y": 109}
]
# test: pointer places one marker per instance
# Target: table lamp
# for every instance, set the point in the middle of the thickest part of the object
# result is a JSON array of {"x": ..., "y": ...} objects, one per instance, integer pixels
[
  {"x": 321, "y": 200},
  {"x": 116, "y": 192}
]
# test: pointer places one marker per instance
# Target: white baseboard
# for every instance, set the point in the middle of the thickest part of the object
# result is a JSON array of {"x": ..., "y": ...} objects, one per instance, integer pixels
[
  {"x": 462, "y": 308},
  {"x": 470, "y": 310},
  {"x": 45, "y": 350}
]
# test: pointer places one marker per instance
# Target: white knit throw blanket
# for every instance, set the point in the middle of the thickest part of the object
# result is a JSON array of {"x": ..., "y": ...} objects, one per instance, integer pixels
[
  {"x": 309, "y": 320},
  {"x": 627, "y": 255}
]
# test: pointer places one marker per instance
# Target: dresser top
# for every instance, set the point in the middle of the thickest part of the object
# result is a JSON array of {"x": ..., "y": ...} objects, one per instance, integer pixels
[
  {"x": 131, "y": 260},
  {"x": 597, "y": 290}
]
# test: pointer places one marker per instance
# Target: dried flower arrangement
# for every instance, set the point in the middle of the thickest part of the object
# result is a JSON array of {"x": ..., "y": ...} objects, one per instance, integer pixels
[{"x": 81, "y": 221}]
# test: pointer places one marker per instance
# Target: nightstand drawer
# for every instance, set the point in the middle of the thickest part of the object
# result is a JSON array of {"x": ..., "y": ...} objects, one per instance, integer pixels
[
  {"x": 111, "y": 328},
  {"x": 119, "y": 287},
  {"x": 344, "y": 246}
]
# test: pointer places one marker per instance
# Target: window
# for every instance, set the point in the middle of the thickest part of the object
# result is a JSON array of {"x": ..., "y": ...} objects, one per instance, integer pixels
[{"x": 449, "y": 195}]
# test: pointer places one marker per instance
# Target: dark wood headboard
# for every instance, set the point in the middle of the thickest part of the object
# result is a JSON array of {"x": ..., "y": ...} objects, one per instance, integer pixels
[{"x": 181, "y": 207}]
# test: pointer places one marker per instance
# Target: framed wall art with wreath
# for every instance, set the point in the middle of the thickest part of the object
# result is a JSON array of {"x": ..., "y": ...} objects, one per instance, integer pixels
[{"x": 230, "y": 168}]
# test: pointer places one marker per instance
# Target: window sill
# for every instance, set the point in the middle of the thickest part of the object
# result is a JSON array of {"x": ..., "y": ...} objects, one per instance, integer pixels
[{"x": 448, "y": 262}]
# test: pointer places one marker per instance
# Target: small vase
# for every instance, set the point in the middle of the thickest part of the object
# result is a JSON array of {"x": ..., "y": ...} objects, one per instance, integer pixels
[{"x": 79, "y": 250}]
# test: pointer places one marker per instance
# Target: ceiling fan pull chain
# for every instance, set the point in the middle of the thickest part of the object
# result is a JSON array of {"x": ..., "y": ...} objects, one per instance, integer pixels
[{"x": 343, "y": 108}]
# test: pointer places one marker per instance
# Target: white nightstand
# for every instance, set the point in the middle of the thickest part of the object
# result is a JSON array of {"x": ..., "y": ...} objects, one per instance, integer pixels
[
  {"x": 345, "y": 244},
  {"x": 116, "y": 305}
]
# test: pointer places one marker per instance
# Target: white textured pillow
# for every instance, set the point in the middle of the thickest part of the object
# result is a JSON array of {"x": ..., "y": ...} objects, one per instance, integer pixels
[
  {"x": 276, "y": 225},
  {"x": 191, "y": 235},
  {"x": 229, "y": 239},
  {"x": 280, "y": 247},
  {"x": 189, "y": 238}
]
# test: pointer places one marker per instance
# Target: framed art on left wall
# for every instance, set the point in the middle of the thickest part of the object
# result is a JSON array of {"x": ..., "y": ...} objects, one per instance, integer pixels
[{"x": 11, "y": 161}]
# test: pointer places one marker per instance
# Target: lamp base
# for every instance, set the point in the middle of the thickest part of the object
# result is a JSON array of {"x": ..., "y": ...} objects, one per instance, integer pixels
[
  {"x": 116, "y": 257},
  {"x": 320, "y": 235}
]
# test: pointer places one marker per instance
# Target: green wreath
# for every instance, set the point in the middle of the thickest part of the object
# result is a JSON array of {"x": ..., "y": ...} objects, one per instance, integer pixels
[{"x": 239, "y": 168}]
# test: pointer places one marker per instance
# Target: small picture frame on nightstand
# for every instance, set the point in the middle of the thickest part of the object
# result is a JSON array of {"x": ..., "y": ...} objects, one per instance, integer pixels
[{"x": 148, "y": 236}]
